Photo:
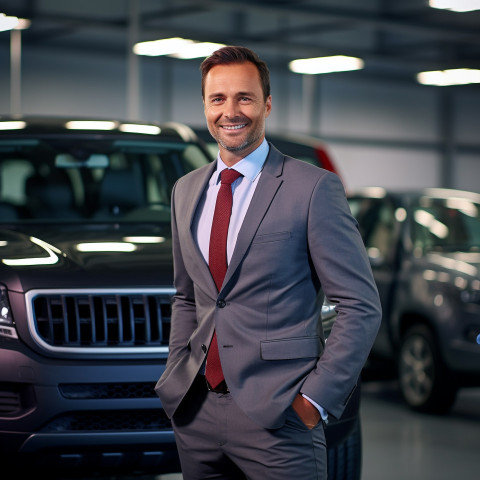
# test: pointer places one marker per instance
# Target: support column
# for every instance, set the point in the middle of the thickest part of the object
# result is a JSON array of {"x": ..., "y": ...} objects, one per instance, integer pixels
[{"x": 133, "y": 65}]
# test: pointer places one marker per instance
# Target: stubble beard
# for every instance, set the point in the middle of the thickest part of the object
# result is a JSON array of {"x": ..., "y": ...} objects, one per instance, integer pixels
[{"x": 250, "y": 139}]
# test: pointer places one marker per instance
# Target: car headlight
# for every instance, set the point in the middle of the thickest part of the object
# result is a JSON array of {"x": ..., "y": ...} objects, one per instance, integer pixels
[{"x": 7, "y": 328}]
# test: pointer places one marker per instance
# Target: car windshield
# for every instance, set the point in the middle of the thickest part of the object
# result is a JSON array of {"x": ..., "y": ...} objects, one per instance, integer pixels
[
  {"x": 451, "y": 224},
  {"x": 61, "y": 179}
]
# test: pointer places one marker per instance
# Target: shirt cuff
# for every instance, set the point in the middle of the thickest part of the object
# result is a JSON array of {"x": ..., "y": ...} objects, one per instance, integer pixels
[{"x": 323, "y": 412}]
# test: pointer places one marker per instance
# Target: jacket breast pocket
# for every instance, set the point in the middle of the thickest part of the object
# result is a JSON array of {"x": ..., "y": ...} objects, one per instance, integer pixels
[
  {"x": 271, "y": 237},
  {"x": 291, "y": 348}
]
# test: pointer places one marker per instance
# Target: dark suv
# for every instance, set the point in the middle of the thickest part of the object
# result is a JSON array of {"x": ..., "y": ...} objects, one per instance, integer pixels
[
  {"x": 86, "y": 280},
  {"x": 424, "y": 248}
]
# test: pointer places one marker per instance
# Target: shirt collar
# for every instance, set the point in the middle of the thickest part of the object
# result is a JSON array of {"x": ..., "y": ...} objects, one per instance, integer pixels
[{"x": 249, "y": 166}]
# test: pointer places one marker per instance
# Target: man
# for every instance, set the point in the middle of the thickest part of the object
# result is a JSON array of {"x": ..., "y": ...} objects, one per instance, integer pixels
[{"x": 290, "y": 237}]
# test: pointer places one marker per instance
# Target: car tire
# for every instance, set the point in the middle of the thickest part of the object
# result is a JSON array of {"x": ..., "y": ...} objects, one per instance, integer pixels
[
  {"x": 345, "y": 459},
  {"x": 425, "y": 382}
]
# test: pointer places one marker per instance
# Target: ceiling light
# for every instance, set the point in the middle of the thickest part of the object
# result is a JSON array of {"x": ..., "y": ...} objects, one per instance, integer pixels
[
  {"x": 456, "y": 5},
  {"x": 7, "y": 23},
  {"x": 90, "y": 125},
  {"x": 12, "y": 125},
  {"x": 165, "y": 46},
  {"x": 337, "y": 63},
  {"x": 196, "y": 50},
  {"x": 443, "y": 78},
  {"x": 138, "y": 128},
  {"x": 176, "y": 47}
]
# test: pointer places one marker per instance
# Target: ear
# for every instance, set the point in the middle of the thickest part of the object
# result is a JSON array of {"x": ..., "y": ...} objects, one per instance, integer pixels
[{"x": 268, "y": 106}]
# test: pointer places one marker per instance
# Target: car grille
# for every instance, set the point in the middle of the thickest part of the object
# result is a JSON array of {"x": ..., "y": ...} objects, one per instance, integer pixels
[
  {"x": 107, "y": 391},
  {"x": 100, "y": 321},
  {"x": 113, "y": 421}
]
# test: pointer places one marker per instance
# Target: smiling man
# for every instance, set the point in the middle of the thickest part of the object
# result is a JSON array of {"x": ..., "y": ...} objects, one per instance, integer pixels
[
  {"x": 258, "y": 237},
  {"x": 236, "y": 112}
]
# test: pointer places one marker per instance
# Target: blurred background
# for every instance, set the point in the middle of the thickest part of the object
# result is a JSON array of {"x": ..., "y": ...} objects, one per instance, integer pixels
[
  {"x": 392, "y": 97},
  {"x": 382, "y": 126}
]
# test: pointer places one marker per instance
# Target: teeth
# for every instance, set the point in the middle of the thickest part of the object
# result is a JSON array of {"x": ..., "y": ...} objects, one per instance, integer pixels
[{"x": 234, "y": 127}]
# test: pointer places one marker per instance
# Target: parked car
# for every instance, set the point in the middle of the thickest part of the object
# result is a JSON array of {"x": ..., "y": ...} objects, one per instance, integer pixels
[
  {"x": 304, "y": 147},
  {"x": 424, "y": 248},
  {"x": 86, "y": 281}
]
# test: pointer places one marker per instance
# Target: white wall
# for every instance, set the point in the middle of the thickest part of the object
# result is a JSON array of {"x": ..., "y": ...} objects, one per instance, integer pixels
[{"x": 384, "y": 133}]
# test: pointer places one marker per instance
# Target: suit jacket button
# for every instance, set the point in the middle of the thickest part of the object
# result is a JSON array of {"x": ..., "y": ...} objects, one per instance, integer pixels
[
  {"x": 221, "y": 303},
  {"x": 204, "y": 348}
]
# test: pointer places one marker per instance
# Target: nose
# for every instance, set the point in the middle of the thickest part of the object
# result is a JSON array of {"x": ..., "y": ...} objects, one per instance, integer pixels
[{"x": 231, "y": 108}]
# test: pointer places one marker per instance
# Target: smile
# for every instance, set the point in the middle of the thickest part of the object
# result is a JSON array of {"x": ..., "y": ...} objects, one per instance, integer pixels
[{"x": 234, "y": 127}]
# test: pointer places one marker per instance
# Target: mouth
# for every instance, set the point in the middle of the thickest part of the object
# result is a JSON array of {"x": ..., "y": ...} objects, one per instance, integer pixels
[{"x": 233, "y": 127}]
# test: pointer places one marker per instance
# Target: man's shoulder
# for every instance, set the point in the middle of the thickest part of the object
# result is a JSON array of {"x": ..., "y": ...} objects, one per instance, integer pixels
[{"x": 293, "y": 164}]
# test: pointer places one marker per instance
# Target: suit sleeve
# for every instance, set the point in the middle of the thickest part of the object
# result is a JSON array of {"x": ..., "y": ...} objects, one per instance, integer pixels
[
  {"x": 184, "y": 318},
  {"x": 341, "y": 263}
]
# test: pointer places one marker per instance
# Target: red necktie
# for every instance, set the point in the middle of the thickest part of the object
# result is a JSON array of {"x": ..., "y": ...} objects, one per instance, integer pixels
[{"x": 217, "y": 262}]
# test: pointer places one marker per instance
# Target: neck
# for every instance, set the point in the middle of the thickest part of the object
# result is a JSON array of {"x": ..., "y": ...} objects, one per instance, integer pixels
[{"x": 230, "y": 158}]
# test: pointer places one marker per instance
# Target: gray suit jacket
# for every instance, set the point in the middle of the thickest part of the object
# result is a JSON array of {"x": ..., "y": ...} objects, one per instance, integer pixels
[{"x": 298, "y": 238}]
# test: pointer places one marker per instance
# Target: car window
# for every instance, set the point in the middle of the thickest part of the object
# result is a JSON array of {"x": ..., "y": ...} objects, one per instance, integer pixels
[
  {"x": 376, "y": 218},
  {"x": 446, "y": 224},
  {"x": 76, "y": 179}
]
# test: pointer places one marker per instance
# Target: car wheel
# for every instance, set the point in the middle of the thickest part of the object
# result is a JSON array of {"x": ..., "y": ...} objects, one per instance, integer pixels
[
  {"x": 345, "y": 459},
  {"x": 425, "y": 382}
]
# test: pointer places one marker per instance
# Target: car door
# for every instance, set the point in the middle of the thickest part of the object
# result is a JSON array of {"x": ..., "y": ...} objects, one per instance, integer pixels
[{"x": 379, "y": 229}]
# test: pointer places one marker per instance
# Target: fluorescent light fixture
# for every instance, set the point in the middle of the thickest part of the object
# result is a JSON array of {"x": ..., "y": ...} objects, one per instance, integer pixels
[
  {"x": 13, "y": 125},
  {"x": 165, "y": 46},
  {"x": 443, "y": 78},
  {"x": 137, "y": 128},
  {"x": 336, "y": 63},
  {"x": 106, "y": 247},
  {"x": 8, "y": 23},
  {"x": 90, "y": 125},
  {"x": 176, "y": 47},
  {"x": 456, "y": 5},
  {"x": 196, "y": 50}
]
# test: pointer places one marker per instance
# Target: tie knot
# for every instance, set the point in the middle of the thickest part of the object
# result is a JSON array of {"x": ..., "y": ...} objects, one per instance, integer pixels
[{"x": 229, "y": 175}]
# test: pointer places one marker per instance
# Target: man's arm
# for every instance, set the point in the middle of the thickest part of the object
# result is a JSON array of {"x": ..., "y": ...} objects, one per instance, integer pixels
[
  {"x": 184, "y": 318},
  {"x": 342, "y": 265}
]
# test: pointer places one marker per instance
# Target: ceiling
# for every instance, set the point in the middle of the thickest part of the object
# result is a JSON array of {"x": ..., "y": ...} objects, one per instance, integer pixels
[{"x": 396, "y": 39}]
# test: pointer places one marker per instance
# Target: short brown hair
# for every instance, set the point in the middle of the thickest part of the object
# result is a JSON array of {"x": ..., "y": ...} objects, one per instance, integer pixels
[{"x": 235, "y": 54}]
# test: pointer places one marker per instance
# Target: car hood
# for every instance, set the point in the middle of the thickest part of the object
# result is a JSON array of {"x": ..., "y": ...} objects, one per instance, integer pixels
[
  {"x": 462, "y": 263},
  {"x": 106, "y": 255}
]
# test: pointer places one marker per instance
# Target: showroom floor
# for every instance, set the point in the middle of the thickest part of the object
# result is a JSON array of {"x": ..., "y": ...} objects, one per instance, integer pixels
[{"x": 399, "y": 444}]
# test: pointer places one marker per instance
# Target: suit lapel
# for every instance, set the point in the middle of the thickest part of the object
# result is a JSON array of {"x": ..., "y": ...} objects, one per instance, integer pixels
[
  {"x": 199, "y": 267},
  {"x": 268, "y": 185}
]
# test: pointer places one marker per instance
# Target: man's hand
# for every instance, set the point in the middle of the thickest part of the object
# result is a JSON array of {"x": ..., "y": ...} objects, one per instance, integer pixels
[{"x": 307, "y": 412}]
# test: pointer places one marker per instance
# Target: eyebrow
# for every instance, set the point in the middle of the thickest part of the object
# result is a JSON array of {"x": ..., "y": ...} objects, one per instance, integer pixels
[{"x": 238, "y": 94}]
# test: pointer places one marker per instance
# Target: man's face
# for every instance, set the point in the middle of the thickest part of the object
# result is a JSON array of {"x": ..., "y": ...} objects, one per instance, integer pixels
[{"x": 235, "y": 109}]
